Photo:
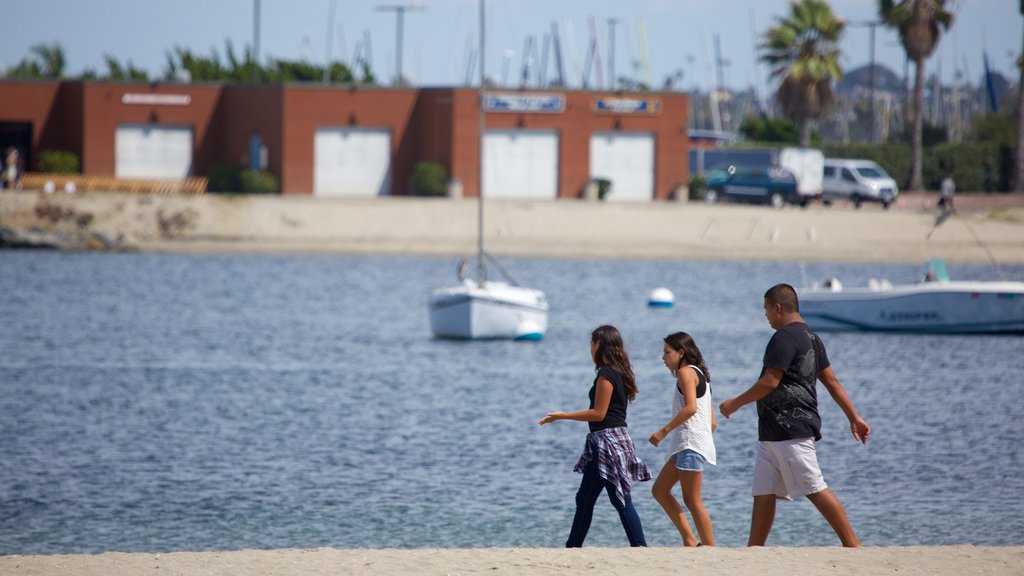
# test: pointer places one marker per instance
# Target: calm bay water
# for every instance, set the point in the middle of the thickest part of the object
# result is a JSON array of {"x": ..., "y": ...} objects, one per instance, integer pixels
[{"x": 182, "y": 402}]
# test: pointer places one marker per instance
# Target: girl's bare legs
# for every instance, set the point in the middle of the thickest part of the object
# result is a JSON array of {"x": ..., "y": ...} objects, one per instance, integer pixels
[
  {"x": 691, "y": 483},
  {"x": 662, "y": 492}
]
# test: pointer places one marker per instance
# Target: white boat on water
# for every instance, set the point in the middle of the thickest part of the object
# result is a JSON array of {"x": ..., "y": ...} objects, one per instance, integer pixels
[
  {"x": 481, "y": 308},
  {"x": 935, "y": 305},
  {"x": 493, "y": 310}
]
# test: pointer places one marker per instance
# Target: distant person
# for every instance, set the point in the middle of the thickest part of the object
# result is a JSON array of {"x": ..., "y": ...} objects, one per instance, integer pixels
[
  {"x": 690, "y": 445},
  {"x": 609, "y": 461},
  {"x": 788, "y": 424},
  {"x": 12, "y": 169},
  {"x": 946, "y": 191}
]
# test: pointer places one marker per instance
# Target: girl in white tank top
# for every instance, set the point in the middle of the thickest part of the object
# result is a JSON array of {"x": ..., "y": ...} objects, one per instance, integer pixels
[{"x": 689, "y": 435}]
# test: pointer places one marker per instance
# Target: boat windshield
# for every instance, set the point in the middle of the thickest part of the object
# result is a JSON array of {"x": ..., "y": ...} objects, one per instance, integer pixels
[{"x": 936, "y": 270}]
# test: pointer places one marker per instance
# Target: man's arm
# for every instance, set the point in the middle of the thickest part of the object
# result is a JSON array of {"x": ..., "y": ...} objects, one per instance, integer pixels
[
  {"x": 858, "y": 426},
  {"x": 764, "y": 386}
]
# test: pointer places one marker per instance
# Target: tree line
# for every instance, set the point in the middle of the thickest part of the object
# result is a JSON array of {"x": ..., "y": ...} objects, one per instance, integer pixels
[{"x": 47, "y": 61}]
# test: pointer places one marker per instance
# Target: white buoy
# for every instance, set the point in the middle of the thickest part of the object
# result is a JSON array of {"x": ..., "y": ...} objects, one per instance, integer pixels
[
  {"x": 661, "y": 298},
  {"x": 528, "y": 330}
]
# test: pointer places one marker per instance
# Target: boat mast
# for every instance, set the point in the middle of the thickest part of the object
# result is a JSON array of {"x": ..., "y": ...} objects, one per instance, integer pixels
[{"x": 481, "y": 274}]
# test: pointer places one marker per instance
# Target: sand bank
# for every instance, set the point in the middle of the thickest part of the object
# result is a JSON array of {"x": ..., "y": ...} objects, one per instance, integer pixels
[
  {"x": 563, "y": 228},
  {"x": 902, "y": 561}
]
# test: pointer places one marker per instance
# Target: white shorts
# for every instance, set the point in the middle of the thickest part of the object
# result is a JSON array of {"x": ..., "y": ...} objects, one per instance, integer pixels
[{"x": 788, "y": 469}]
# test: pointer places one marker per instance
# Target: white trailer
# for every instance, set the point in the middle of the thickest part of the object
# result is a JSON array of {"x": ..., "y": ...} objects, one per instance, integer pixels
[{"x": 808, "y": 165}]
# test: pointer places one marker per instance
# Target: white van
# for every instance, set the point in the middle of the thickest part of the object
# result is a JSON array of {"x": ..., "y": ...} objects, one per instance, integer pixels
[{"x": 857, "y": 181}]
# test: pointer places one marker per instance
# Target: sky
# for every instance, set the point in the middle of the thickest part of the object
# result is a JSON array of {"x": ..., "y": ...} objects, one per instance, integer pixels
[{"x": 440, "y": 35}]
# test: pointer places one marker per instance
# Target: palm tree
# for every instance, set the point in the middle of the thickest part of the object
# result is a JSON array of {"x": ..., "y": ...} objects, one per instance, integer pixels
[
  {"x": 803, "y": 50},
  {"x": 45, "y": 61},
  {"x": 917, "y": 22}
]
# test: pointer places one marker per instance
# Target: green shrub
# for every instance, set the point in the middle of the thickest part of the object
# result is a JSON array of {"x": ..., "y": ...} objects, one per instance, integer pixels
[
  {"x": 429, "y": 179},
  {"x": 604, "y": 187},
  {"x": 698, "y": 186},
  {"x": 764, "y": 129},
  {"x": 224, "y": 178},
  {"x": 259, "y": 182},
  {"x": 999, "y": 128},
  {"x": 58, "y": 162}
]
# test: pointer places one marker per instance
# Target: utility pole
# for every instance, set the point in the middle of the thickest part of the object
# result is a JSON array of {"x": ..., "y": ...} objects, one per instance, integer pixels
[
  {"x": 720, "y": 64},
  {"x": 871, "y": 25},
  {"x": 255, "y": 40},
  {"x": 611, "y": 51},
  {"x": 330, "y": 40},
  {"x": 1018, "y": 153},
  {"x": 399, "y": 11}
]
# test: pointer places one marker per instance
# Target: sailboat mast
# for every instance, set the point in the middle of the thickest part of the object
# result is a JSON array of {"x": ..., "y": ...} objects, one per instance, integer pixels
[{"x": 481, "y": 275}]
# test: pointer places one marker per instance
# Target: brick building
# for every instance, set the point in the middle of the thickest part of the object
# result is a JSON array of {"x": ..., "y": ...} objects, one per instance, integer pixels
[{"x": 356, "y": 141}]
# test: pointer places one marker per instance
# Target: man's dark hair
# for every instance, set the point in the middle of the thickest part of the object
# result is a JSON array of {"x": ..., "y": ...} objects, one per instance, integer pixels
[{"x": 785, "y": 295}]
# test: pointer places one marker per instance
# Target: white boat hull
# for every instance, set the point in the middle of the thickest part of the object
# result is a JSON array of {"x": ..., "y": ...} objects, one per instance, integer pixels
[
  {"x": 494, "y": 311},
  {"x": 927, "y": 307}
]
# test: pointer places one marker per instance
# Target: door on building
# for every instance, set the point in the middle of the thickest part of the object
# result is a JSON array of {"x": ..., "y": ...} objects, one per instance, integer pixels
[
  {"x": 521, "y": 164},
  {"x": 153, "y": 152},
  {"x": 352, "y": 162},
  {"x": 17, "y": 135},
  {"x": 627, "y": 160}
]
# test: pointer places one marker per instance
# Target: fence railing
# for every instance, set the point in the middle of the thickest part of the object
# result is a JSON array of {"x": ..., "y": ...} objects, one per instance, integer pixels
[{"x": 81, "y": 183}]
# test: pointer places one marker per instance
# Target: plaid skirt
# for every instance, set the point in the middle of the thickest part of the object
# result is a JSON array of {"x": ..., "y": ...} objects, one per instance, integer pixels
[{"x": 617, "y": 461}]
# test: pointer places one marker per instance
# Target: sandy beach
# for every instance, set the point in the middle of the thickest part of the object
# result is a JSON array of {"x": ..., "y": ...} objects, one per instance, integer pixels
[
  {"x": 990, "y": 227},
  {"x": 903, "y": 561}
]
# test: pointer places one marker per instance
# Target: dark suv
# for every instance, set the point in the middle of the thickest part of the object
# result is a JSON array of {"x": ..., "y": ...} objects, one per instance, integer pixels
[{"x": 754, "y": 184}]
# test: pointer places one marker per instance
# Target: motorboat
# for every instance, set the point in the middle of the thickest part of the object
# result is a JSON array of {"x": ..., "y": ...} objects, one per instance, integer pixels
[
  {"x": 934, "y": 305},
  {"x": 479, "y": 308}
]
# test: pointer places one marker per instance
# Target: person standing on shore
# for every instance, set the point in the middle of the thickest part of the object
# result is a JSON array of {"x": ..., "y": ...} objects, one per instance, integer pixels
[
  {"x": 788, "y": 424},
  {"x": 947, "y": 188},
  {"x": 609, "y": 460},
  {"x": 12, "y": 169},
  {"x": 689, "y": 439}
]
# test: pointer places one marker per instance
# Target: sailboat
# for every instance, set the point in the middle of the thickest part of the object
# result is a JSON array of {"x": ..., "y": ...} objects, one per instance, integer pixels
[{"x": 479, "y": 308}]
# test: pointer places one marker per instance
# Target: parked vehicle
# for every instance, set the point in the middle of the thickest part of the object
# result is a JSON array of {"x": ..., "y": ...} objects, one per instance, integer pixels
[
  {"x": 804, "y": 163},
  {"x": 807, "y": 165},
  {"x": 857, "y": 181},
  {"x": 753, "y": 184}
]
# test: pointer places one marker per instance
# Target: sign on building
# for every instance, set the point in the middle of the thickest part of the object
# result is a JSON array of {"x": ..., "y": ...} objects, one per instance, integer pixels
[{"x": 549, "y": 103}]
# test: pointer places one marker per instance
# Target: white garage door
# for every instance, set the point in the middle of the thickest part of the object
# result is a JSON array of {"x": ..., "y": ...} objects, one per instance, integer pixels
[
  {"x": 627, "y": 159},
  {"x": 352, "y": 162},
  {"x": 147, "y": 151},
  {"x": 521, "y": 164}
]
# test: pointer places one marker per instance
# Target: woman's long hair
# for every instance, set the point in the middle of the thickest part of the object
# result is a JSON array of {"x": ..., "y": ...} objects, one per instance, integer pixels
[
  {"x": 611, "y": 352},
  {"x": 683, "y": 342}
]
